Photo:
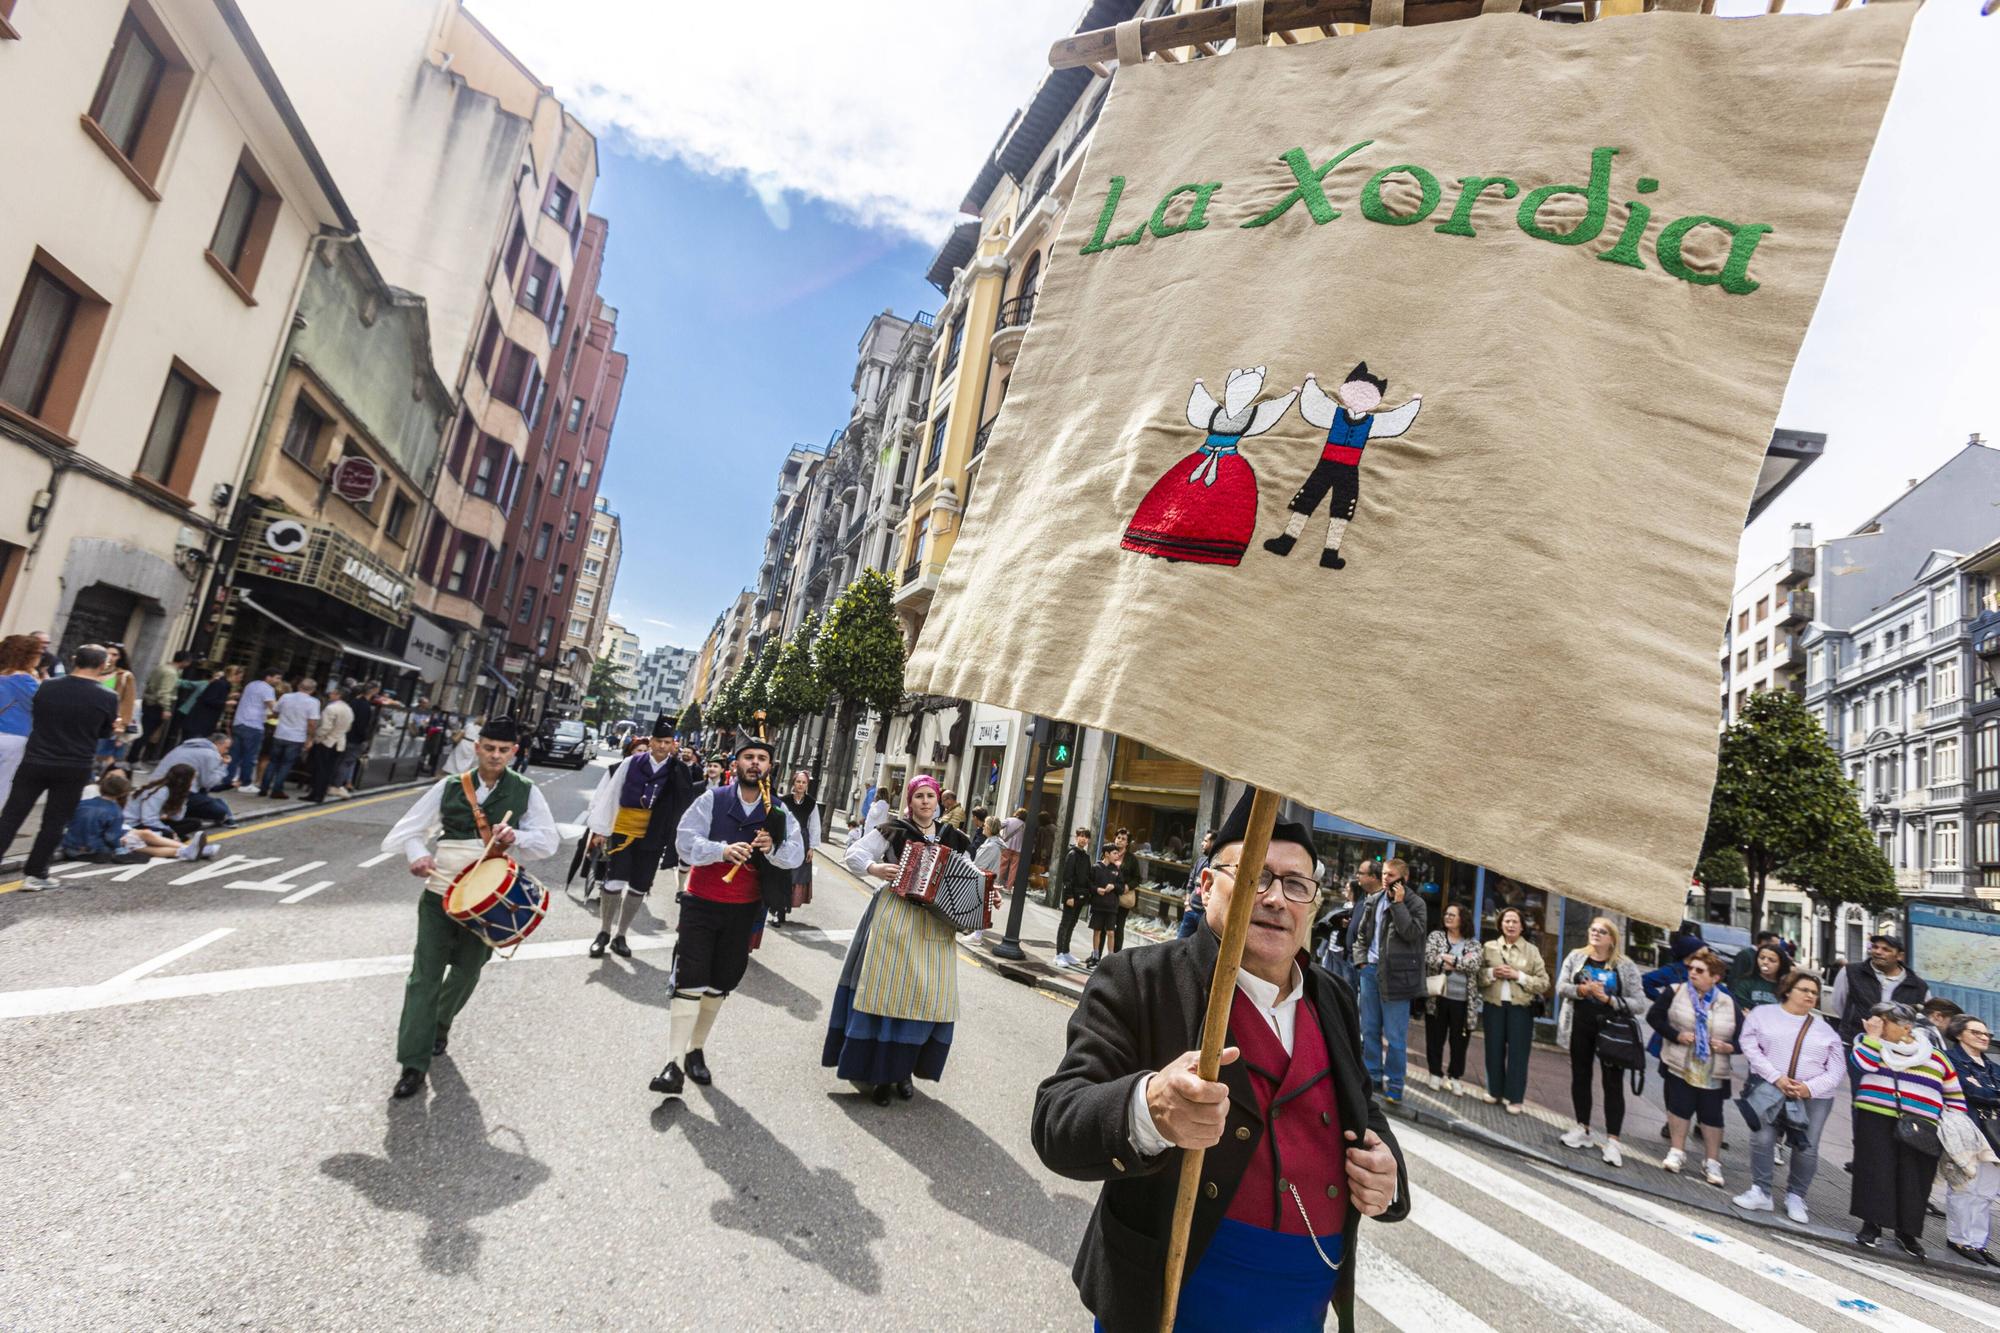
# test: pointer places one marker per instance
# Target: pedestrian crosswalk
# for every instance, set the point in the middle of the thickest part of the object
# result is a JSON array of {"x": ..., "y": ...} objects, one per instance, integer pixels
[{"x": 1495, "y": 1243}]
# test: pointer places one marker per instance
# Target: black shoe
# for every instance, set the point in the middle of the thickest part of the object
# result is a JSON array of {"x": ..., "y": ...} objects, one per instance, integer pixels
[
  {"x": 1932, "y": 1210},
  {"x": 1967, "y": 1253},
  {"x": 443, "y": 1040},
  {"x": 1869, "y": 1237},
  {"x": 409, "y": 1085},
  {"x": 698, "y": 1068},
  {"x": 1330, "y": 559},
  {"x": 906, "y": 1090},
  {"x": 1280, "y": 544},
  {"x": 1910, "y": 1245},
  {"x": 597, "y": 945},
  {"x": 778, "y": 923},
  {"x": 669, "y": 1082},
  {"x": 882, "y": 1093},
  {"x": 622, "y": 949}
]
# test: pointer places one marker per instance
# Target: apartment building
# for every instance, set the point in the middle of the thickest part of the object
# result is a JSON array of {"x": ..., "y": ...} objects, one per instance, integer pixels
[
  {"x": 621, "y": 645},
  {"x": 1762, "y": 644},
  {"x": 589, "y": 622},
  {"x": 147, "y": 286}
]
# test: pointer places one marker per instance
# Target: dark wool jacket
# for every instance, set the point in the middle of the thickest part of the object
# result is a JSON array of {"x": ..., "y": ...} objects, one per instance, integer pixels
[{"x": 1141, "y": 1009}]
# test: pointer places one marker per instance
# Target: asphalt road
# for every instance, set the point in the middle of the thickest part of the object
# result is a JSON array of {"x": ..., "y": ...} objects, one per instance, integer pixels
[{"x": 195, "y": 1080}]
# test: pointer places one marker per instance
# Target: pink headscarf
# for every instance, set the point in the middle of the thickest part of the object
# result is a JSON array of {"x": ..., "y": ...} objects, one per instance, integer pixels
[{"x": 924, "y": 780}]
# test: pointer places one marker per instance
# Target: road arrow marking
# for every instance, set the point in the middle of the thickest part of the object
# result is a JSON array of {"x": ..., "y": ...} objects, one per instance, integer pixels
[
  {"x": 276, "y": 883},
  {"x": 228, "y": 865},
  {"x": 374, "y": 861},
  {"x": 303, "y": 894}
]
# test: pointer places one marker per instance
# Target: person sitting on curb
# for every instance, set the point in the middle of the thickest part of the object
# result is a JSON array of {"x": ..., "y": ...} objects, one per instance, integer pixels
[{"x": 98, "y": 831}]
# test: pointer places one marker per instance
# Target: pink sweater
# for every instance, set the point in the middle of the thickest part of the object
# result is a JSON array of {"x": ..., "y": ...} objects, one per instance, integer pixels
[{"x": 1769, "y": 1033}]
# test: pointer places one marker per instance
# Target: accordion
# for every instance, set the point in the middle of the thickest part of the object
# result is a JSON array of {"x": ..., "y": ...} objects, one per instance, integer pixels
[{"x": 946, "y": 882}]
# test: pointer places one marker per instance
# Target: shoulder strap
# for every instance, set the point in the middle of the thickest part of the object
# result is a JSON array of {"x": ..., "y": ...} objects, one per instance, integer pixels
[
  {"x": 472, "y": 799},
  {"x": 1797, "y": 1046}
]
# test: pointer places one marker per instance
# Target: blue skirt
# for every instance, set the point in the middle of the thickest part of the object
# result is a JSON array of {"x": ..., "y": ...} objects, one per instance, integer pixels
[
  {"x": 868, "y": 1048},
  {"x": 1255, "y": 1281}
]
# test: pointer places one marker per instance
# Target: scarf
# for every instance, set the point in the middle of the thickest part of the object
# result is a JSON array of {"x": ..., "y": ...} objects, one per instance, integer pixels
[
  {"x": 1904, "y": 1056},
  {"x": 1702, "y": 1000}
]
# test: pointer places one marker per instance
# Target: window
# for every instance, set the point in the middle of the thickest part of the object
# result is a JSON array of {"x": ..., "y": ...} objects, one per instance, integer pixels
[
  {"x": 542, "y": 541},
  {"x": 575, "y": 417},
  {"x": 1743, "y": 660},
  {"x": 1944, "y": 845},
  {"x": 548, "y": 628},
  {"x": 1944, "y": 762},
  {"x": 592, "y": 567},
  {"x": 1875, "y": 709},
  {"x": 562, "y": 577},
  {"x": 1945, "y": 680},
  {"x": 526, "y": 612},
  {"x": 1922, "y": 771},
  {"x": 583, "y": 475},
  {"x": 576, "y": 628},
  {"x": 1944, "y": 606},
  {"x": 1988, "y": 833},
  {"x": 515, "y": 244},
  {"x": 1858, "y": 719},
  {"x": 1895, "y": 704},
  {"x": 455, "y": 581},
  {"x": 180, "y": 426},
  {"x": 509, "y": 384},
  {"x": 131, "y": 81},
  {"x": 433, "y": 544},
  {"x": 1923, "y": 694},
  {"x": 43, "y": 320},
  {"x": 1763, "y": 650},
  {"x": 1742, "y": 622},
  {"x": 535, "y": 283},
  {"x": 243, "y": 231},
  {"x": 569, "y": 529},
  {"x": 936, "y": 454},
  {"x": 1763, "y": 609},
  {"x": 560, "y": 196},
  {"x": 461, "y": 440},
  {"x": 1742, "y": 698},
  {"x": 1986, "y": 757},
  {"x": 489, "y": 339},
  {"x": 400, "y": 509},
  {"x": 561, "y": 477},
  {"x": 482, "y": 475},
  {"x": 585, "y": 598},
  {"x": 598, "y": 537}
]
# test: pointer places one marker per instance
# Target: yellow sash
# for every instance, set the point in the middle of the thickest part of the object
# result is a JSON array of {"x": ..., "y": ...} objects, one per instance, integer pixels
[{"x": 628, "y": 826}]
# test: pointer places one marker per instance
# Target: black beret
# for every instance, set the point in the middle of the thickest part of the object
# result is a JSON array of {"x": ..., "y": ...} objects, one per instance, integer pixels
[
  {"x": 663, "y": 728},
  {"x": 1235, "y": 828},
  {"x": 752, "y": 743},
  {"x": 501, "y": 729}
]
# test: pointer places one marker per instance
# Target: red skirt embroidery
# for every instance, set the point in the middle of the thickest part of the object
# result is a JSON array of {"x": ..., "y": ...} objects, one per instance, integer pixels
[{"x": 1197, "y": 523}]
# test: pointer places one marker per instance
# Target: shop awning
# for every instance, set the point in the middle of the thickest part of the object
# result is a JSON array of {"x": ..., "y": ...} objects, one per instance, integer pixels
[
  {"x": 245, "y": 599},
  {"x": 374, "y": 655},
  {"x": 503, "y": 682}
]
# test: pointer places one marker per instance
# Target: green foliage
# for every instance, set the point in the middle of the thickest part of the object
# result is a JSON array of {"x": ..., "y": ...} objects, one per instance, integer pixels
[
  {"x": 756, "y": 696},
  {"x": 726, "y": 708},
  {"x": 1783, "y": 804},
  {"x": 691, "y": 722},
  {"x": 796, "y": 690},
  {"x": 607, "y": 695},
  {"x": 1723, "y": 868},
  {"x": 859, "y": 649}
]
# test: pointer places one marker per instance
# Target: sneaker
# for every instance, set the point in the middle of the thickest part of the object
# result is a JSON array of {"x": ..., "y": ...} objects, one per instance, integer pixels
[
  {"x": 1612, "y": 1155},
  {"x": 1091, "y": 961},
  {"x": 1393, "y": 1098},
  {"x": 210, "y": 853},
  {"x": 1489, "y": 1099},
  {"x": 1795, "y": 1208},
  {"x": 1578, "y": 1137},
  {"x": 39, "y": 884},
  {"x": 1437, "y": 1084},
  {"x": 1513, "y": 1108},
  {"x": 1673, "y": 1161},
  {"x": 191, "y": 849},
  {"x": 1754, "y": 1200},
  {"x": 1869, "y": 1237},
  {"x": 1454, "y": 1087},
  {"x": 1711, "y": 1171}
]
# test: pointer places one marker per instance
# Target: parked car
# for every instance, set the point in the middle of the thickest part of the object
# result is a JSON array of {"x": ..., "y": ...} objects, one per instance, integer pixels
[{"x": 564, "y": 743}]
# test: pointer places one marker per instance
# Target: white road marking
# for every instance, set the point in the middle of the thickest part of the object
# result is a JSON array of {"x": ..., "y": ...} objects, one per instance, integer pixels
[
  {"x": 73, "y": 999},
  {"x": 814, "y": 932},
  {"x": 305, "y": 893},
  {"x": 95, "y": 871},
  {"x": 1966, "y": 1307},
  {"x": 1642, "y": 1261},
  {"x": 133, "y": 872},
  {"x": 1406, "y": 1301},
  {"x": 227, "y": 865},
  {"x": 374, "y": 861},
  {"x": 280, "y": 883},
  {"x": 132, "y": 974},
  {"x": 67, "y": 865},
  {"x": 1559, "y": 1291},
  {"x": 1712, "y": 1240}
]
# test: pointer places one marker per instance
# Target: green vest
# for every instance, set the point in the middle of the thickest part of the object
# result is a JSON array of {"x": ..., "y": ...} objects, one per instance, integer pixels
[{"x": 508, "y": 800}]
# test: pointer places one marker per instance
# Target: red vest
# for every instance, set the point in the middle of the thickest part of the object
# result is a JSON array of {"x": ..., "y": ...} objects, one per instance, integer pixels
[
  {"x": 1302, "y": 1145},
  {"x": 729, "y": 823}
]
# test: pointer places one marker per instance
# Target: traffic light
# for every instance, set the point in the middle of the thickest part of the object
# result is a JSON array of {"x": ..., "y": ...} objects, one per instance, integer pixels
[{"x": 1062, "y": 744}]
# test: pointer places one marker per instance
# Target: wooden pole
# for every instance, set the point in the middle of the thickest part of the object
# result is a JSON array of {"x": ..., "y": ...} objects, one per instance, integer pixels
[
  {"x": 763, "y": 789},
  {"x": 1215, "y": 1027}
]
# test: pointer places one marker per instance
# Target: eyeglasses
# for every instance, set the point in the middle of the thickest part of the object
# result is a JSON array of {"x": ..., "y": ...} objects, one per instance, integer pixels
[{"x": 1297, "y": 888}]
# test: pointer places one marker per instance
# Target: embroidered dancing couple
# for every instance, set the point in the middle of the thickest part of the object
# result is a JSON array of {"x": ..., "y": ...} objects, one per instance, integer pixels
[{"x": 1204, "y": 510}]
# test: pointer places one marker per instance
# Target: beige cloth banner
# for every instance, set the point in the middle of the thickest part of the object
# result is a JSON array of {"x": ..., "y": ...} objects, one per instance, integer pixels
[{"x": 1390, "y": 413}]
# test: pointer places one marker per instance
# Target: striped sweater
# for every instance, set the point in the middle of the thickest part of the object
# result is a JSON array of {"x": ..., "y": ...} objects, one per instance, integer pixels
[{"x": 1923, "y": 1091}]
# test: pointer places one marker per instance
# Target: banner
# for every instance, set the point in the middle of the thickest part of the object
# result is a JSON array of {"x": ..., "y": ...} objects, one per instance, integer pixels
[{"x": 1390, "y": 412}]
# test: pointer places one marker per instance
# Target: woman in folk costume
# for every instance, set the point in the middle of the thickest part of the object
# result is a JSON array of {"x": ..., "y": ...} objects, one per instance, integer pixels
[
  {"x": 897, "y": 1000},
  {"x": 805, "y": 811},
  {"x": 1204, "y": 510},
  {"x": 633, "y": 816}
]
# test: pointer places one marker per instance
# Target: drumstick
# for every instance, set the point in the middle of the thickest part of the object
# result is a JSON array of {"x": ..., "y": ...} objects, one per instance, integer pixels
[{"x": 492, "y": 838}]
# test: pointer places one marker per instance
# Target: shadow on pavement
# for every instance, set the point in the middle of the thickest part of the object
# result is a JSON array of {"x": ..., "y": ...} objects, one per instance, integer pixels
[
  {"x": 808, "y": 937},
  {"x": 765, "y": 986},
  {"x": 439, "y": 1163},
  {"x": 813, "y": 1215},
  {"x": 632, "y": 979},
  {"x": 973, "y": 1175}
]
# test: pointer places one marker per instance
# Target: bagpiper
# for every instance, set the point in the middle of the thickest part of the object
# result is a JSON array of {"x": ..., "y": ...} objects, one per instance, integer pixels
[{"x": 633, "y": 816}]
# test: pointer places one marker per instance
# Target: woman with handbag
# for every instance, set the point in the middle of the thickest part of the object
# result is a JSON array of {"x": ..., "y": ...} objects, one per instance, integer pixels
[
  {"x": 1796, "y": 1055},
  {"x": 1697, "y": 1026},
  {"x": 1512, "y": 977},
  {"x": 1968, "y": 1208},
  {"x": 1904, "y": 1086},
  {"x": 1451, "y": 1008},
  {"x": 1600, "y": 987}
]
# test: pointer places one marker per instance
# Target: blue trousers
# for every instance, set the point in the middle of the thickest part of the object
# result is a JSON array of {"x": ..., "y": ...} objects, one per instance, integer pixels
[
  {"x": 1384, "y": 1023},
  {"x": 249, "y": 743},
  {"x": 283, "y": 755}
]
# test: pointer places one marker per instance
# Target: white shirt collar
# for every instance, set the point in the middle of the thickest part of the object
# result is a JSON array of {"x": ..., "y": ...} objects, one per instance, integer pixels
[{"x": 1264, "y": 995}]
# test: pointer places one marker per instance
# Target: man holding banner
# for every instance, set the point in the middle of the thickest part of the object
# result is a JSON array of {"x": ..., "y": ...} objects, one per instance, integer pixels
[{"x": 1297, "y": 1151}]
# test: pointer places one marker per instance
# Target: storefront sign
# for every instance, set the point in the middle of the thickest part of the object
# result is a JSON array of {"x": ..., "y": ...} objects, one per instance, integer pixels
[
  {"x": 286, "y": 536},
  {"x": 356, "y": 479},
  {"x": 322, "y": 557},
  {"x": 380, "y": 585},
  {"x": 992, "y": 733},
  {"x": 429, "y": 647}
]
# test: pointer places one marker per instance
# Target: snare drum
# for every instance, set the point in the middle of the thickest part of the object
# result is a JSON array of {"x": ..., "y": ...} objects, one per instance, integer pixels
[{"x": 497, "y": 901}]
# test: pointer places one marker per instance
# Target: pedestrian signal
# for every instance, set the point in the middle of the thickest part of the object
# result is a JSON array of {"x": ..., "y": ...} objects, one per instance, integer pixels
[{"x": 1062, "y": 745}]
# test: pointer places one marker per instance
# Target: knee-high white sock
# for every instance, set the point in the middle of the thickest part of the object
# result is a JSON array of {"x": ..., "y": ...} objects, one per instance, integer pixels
[
  {"x": 711, "y": 1005},
  {"x": 683, "y": 1011},
  {"x": 627, "y": 909},
  {"x": 1296, "y": 524},
  {"x": 607, "y": 907},
  {"x": 1334, "y": 532}
]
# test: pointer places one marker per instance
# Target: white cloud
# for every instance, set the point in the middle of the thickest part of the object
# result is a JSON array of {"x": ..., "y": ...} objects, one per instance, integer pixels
[{"x": 884, "y": 110}]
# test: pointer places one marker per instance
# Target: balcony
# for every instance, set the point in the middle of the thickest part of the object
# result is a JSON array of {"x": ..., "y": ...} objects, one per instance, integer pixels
[
  {"x": 913, "y": 571},
  {"x": 1798, "y": 567},
  {"x": 1011, "y": 327},
  {"x": 1951, "y": 710},
  {"x": 979, "y": 440},
  {"x": 918, "y": 585},
  {"x": 1909, "y": 881},
  {"x": 1947, "y": 793},
  {"x": 1938, "y": 881},
  {"x": 1797, "y": 610},
  {"x": 1793, "y": 658}
]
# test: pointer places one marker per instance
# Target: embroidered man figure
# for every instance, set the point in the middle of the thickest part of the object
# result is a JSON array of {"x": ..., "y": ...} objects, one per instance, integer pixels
[
  {"x": 1350, "y": 420},
  {"x": 1204, "y": 510}
]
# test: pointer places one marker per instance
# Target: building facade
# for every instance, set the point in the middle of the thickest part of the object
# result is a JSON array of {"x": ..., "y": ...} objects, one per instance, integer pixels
[
  {"x": 663, "y": 679},
  {"x": 1763, "y": 646},
  {"x": 621, "y": 645},
  {"x": 148, "y": 282},
  {"x": 589, "y": 621}
]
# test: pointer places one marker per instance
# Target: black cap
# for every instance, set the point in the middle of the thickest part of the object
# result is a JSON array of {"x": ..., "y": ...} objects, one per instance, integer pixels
[
  {"x": 1893, "y": 941},
  {"x": 1236, "y": 828},
  {"x": 663, "y": 728},
  {"x": 752, "y": 743},
  {"x": 501, "y": 729}
]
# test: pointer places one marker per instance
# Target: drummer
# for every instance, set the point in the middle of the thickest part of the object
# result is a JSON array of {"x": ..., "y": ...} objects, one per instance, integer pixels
[{"x": 513, "y": 810}]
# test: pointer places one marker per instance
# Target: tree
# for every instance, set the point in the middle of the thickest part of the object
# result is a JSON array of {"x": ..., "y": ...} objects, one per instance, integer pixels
[
  {"x": 607, "y": 693},
  {"x": 1723, "y": 868},
  {"x": 859, "y": 650},
  {"x": 690, "y": 724},
  {"x": 726, "y": 708},
  {"x": 755, "y": 697},
  {"x": 1783, "y": 804},
  {"x": 796, "y": 691}
]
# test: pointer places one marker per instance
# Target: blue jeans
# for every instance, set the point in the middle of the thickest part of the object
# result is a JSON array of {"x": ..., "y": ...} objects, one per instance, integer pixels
[
  {"x": 1383, "y": 1021},
  {"x": 1805, "y": 1161},
  {"x": 283, "y": 755},
  {"x": 243, "y": 752}
]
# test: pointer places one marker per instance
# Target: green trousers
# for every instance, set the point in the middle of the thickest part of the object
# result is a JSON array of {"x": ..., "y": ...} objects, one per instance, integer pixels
[{"x": 432, "y": 997}]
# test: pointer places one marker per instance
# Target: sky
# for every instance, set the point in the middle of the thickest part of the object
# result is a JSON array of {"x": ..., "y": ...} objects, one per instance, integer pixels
[{"x": 766, "y": 198}]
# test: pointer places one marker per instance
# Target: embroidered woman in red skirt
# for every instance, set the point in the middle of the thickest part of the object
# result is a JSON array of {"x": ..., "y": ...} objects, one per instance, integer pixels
[{"x": 1204, "y": 510}]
